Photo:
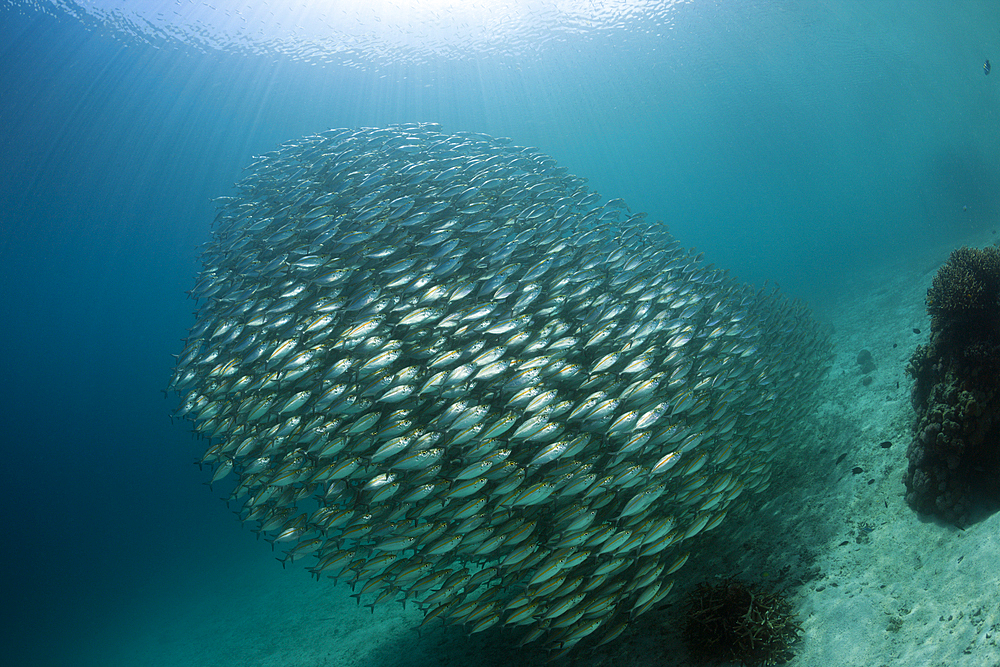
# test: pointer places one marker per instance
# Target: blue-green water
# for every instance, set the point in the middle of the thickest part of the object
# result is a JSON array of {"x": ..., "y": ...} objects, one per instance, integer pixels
[{"x": 796, "y": 142}]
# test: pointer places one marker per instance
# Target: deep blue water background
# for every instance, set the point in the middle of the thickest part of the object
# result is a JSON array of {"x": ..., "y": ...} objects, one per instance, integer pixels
[{"x": 793, "y": 142}]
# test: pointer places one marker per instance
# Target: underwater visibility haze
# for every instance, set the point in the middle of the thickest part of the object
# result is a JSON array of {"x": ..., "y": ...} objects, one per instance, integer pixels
[{"x": 549, "y": 296}]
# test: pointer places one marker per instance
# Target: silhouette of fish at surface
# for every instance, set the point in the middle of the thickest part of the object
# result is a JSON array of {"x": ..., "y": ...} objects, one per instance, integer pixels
[{"x": 986, "y": 67}]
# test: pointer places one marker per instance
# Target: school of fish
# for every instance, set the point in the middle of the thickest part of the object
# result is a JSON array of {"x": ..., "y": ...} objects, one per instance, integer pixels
[{"x": 437, "y": 367}]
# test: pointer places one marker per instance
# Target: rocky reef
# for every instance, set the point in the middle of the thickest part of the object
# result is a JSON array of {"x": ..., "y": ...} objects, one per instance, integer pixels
[{"x": 954, "y": 458}]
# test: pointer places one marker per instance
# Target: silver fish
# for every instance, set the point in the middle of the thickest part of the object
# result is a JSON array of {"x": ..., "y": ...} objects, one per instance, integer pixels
[{"x": 436, "y": 365}]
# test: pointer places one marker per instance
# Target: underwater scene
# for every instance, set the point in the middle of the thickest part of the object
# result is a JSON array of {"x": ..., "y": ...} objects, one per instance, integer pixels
[{"x": 434, "y": 333}]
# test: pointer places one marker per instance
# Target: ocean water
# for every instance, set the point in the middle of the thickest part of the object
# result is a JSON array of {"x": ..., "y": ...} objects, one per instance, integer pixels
[{"x": 800, "y": 143}]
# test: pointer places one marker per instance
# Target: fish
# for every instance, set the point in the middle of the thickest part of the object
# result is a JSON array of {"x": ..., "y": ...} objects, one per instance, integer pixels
[
  {"x": 434, "y": 363},
  {"x": 986, "y": 67}
]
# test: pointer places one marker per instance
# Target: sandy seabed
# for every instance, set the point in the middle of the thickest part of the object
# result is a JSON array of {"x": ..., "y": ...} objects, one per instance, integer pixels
[{"x": 871, "y": 582}]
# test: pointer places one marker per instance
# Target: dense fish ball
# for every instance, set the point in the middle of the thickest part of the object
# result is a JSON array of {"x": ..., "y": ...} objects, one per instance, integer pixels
[{"x": 439, "y": 369}]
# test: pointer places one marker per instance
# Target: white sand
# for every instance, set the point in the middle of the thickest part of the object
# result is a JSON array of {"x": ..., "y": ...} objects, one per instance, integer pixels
[{"x": 913, "y": 590}]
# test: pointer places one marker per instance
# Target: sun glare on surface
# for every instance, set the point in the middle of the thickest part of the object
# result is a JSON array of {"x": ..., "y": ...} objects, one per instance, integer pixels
[{"x": 343, "y": 30}]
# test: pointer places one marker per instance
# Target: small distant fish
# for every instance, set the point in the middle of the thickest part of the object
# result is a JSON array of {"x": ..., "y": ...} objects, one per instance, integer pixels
[{"x": 986, "y": 66}]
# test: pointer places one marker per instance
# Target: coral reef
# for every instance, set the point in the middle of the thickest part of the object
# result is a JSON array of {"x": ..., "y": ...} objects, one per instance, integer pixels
[
  {"x": 737, "y": 621},
  {"x": 962, "y": 299},
  {"x": 953, "y": 457}
]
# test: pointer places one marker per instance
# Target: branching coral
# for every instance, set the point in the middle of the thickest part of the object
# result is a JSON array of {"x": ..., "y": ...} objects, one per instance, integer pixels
[
  {"x": 733, "y": 620},
  {"x": 965, "y": 293}
]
